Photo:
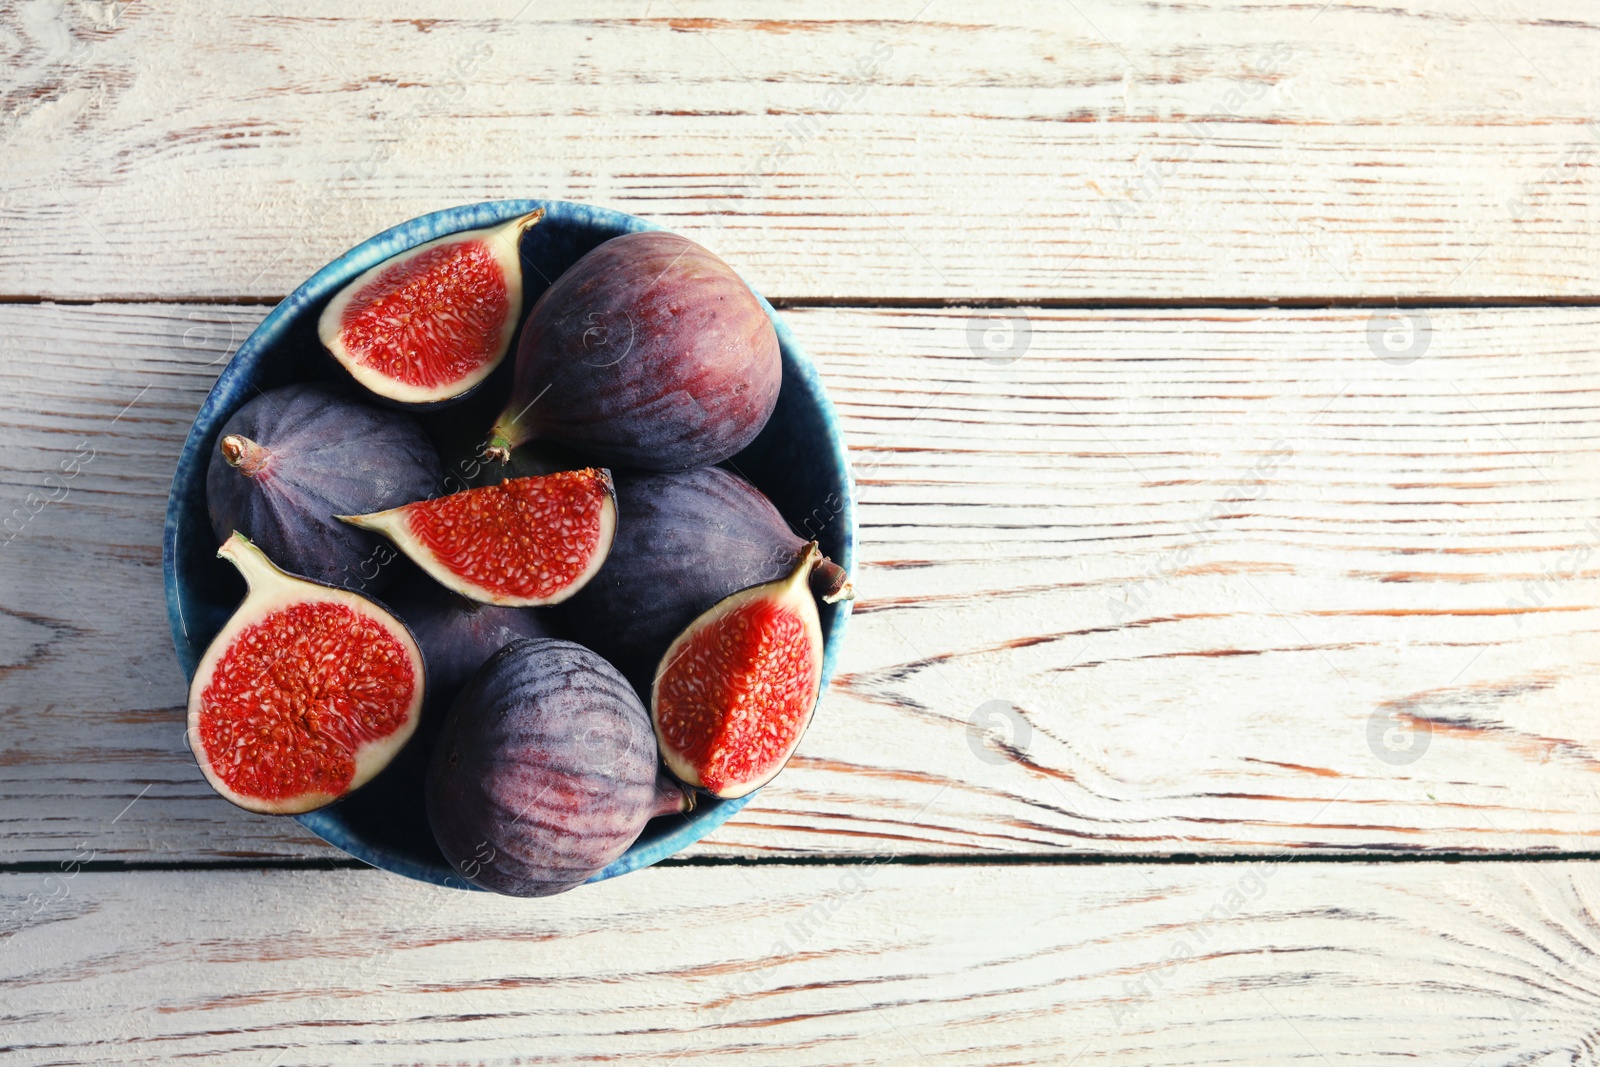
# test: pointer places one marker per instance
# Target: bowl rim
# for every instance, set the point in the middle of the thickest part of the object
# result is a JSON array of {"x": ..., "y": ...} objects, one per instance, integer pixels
[{"x": 323, "y": 284}]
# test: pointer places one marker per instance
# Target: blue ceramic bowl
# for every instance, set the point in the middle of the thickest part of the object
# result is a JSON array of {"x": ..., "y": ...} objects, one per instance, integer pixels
[{"x": 799, "y": 461}]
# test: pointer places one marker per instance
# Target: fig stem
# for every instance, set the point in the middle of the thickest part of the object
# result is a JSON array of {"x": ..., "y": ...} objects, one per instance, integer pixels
[
  {"x": 511, "y": 232},
  {"x": 243, "y": 454},
  {"x": 509, "y": 430},
  {"x": 671, "y": 798},
  {"x": 528, "y": 221},
  {"x": 831, "y": 582},
  {"x": 498, "y": 449}
]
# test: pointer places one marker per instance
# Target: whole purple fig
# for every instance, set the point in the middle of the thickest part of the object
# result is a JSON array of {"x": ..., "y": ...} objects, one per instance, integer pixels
[
  {"x": 457, "y": 635},
  {"x": 649, "y": 352},
  {"x": 291, "y": 459},
  {"x": 545, "y": 772},
  {"x": 684, "y": 541}
]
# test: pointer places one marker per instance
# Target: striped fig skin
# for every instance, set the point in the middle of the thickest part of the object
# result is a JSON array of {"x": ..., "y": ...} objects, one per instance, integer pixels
[
  {"x": 649, "y": 352},
  {"x": 545, "y": 770},
  {"x": 684, "y": 542},
  {"x": 326, "y": 455}
]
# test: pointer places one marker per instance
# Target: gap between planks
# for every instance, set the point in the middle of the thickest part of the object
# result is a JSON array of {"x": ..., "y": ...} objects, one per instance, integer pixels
[
  {"x": 937, "y": 303},
  {"x": 1186, "y": 859}
]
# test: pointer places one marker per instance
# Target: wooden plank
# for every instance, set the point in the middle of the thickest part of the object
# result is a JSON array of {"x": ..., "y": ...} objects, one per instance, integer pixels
[
  {"x": 1260, "y": 964},
  {"x": 1236, "y": 583},
  {"x": 1000, "y": 150}
]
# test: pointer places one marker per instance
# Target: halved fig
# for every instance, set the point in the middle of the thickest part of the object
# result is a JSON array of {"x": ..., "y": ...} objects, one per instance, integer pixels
[
  {"x": 429, "y": 324},
  {"x": 521, "y": 544},
  {"x": 735, "y": 692},
  {"x": 304, "y": 695}
]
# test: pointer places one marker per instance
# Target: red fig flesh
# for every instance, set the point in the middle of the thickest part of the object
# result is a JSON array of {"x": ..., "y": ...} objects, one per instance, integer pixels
[
  {"x": 522, "y": 543},
  {"x": 429, "y": 324},
  {"x": 304, "y": 695},
  {"x": 736, "y": 690}
]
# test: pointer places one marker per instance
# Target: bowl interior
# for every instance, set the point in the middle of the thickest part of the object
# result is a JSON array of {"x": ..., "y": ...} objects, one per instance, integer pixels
[{"x": 799, "y": 461}]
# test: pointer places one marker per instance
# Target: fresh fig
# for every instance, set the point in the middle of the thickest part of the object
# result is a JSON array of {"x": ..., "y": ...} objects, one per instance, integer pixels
[
  {"x": 522, "y": 543},
  {"x": 649, "y": 352},
  {"x": 686, "y": 541},
  {"x": 428, "y": 325},
  {"x": 291, "y": 459},
  {"x": 545, "y": 772},
  {"x": 305, "y": 694},
  {"x": 734, "y": 693},
  {"x": 457, "y": 635}
]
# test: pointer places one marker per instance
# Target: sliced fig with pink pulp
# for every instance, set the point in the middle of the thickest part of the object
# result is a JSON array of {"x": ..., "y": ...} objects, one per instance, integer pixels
[
  {"x": 736, "y": 690},
  {"x": 649, "y": 352},
  {"x": 522, "y": 543},
  {"x": 431, "y": 323},
  {"x": 306, "y": 693}
]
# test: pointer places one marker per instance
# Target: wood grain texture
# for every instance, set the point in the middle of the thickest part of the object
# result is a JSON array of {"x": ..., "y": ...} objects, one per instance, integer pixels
[
  {"x": 1484, "y": 966},
  {"x": 1149, "y": 583},
  {"x": 894, "y": 150}
]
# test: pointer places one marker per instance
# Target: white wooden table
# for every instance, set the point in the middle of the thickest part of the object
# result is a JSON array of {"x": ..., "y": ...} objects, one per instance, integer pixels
[{"x": 1223, "y": 383}]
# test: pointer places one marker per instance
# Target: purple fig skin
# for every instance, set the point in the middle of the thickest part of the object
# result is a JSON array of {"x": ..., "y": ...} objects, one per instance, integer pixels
[
  {"x": 546, "y": 770},
  {"x": 320, "y": 454},
  {"x": 684, "y": 542},
  {"x": 649, "y": 352},
  {"x": 457, "y": 635}
]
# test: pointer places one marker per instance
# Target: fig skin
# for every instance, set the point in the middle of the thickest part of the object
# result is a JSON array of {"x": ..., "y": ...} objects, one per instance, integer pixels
[
  {"x": 546, "y": 771},
  {"x": 457, "y": 635},
  {"x": 649, "y": 352},
  {"x": 684, "y": 542},
  {"x": 311, "y": 452}
]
